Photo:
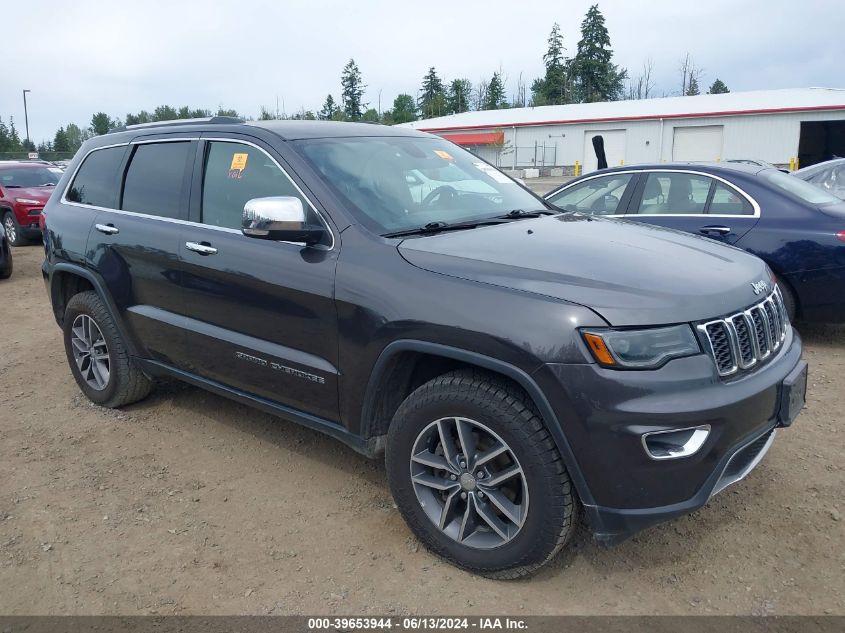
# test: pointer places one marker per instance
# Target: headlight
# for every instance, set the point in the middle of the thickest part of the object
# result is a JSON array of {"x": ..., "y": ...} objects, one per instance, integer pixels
[
  {"x": 27, "y": 201},
  {"x": 641, "y": 349}
]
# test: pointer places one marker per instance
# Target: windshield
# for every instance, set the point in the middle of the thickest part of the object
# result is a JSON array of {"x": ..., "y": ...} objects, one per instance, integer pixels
[
  {"x": 800, "y": 188},
  {"x": 400, "y": 183},
  {"x": 29, "y": 176}
]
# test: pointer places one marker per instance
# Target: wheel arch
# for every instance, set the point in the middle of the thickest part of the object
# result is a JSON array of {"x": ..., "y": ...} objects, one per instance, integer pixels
[
  {"x": 393, "y": 378},
  {"x": 67, "y": 280}
]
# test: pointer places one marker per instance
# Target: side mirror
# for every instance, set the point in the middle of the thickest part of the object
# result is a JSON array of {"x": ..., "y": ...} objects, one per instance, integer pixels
[{"x": 279, "y": 218}]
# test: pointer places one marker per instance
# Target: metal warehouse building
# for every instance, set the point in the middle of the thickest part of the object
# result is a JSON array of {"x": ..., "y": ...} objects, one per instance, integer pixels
[{"x": 776, "y": 126}]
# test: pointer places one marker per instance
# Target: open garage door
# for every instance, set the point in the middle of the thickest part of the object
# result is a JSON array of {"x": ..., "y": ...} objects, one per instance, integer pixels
[
  {"x": 614, "y": 148},
  {"x": 820, "y": 141},
  {"x": 697, "y": 142}
]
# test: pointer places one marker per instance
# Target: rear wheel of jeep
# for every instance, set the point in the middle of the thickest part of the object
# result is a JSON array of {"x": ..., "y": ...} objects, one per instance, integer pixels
[
  {"x": 100, "y": 363},
  {"x": 477, "y": 476}
]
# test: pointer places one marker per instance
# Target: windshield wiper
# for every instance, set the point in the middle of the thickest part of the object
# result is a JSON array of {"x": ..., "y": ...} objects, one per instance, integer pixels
[
  {"x": 522, "y": 213},
  {"x": 48, "y": 184},
  {"x": 438, "y": 227},
  {"x": 12, "y": 186}
]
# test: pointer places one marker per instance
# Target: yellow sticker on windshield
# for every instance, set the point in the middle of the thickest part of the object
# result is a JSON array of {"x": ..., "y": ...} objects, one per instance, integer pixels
[
  {"x": 443, "y": 155},
  {"x": 238, "y": 162}
]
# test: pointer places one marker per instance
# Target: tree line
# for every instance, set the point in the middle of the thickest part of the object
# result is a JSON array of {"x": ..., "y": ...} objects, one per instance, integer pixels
[{"x": 590, "y": 75}]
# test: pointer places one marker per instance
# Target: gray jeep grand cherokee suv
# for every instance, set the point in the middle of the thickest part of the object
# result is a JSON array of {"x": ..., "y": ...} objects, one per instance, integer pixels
[{"x": 517, "y": 365}]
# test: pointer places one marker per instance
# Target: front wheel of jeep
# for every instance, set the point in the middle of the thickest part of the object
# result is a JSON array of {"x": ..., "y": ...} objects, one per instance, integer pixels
[{"x": 477, "y": 476}]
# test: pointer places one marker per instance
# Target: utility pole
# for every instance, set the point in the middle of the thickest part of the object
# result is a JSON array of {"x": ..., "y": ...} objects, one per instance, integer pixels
[{"x": 26, "y": 118}]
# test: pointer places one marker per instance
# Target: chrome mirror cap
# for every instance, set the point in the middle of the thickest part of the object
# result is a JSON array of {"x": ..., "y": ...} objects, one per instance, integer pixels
[{"x": 263, "y": 217}]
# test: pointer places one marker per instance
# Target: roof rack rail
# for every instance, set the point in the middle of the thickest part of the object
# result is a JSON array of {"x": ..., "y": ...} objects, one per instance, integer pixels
[{"x": 209, "y": 119}]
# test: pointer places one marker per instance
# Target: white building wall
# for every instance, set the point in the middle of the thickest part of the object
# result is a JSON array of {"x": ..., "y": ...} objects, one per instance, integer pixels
[{"x": 770, "y": 137}]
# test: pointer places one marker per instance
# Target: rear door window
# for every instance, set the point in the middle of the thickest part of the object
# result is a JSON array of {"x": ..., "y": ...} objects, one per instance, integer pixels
[
  {"x": 670, "y": 193},
  {"x": 596, "y": 196},
  {"x": 96, "y": 183},
  {"x": 155, "y": 179},
  {"x": 728, "y": 201}
]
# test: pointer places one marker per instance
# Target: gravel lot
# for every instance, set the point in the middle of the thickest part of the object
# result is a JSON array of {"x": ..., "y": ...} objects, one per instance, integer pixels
[{"x": 189, "y": 503}]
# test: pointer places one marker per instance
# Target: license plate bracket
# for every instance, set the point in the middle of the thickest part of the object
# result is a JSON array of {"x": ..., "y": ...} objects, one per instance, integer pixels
[{"x": 793, "y": 394}]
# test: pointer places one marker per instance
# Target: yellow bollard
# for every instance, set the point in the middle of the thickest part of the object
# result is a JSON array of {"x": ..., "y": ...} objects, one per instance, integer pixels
[
  {"x": 577, "y": 168},
  {"x": 791, "y": 164},
  {"x": 622, "y": 162}
]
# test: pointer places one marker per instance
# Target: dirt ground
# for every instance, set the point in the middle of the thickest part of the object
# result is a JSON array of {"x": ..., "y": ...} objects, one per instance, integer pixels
[{"x": 189, "y": 503}]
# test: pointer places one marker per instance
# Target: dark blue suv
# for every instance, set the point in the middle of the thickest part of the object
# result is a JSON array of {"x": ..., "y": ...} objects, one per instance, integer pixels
[{"x": 515, "y": 365}]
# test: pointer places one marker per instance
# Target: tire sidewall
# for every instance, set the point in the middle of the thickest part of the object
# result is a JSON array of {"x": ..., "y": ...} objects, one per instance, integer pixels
[
  {"x": 92, "y": 307},
  {"x": 505, "y": 422}
]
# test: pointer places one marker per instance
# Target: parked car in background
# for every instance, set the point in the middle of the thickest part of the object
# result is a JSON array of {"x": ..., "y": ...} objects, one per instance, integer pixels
[
  {"x": 829, "y": 175},
  {"x": 796, "y": 228},
  {"x": 5, "y": 257},
  {"x": 756, "y": 163},
  {"x": 515, "y": 365},
  {"x": 25, "y": 188}
]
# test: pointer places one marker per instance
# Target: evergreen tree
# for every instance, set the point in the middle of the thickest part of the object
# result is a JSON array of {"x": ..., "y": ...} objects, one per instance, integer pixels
[
  {"x": 60, "y": 141},
  {"x": 432, "y": 99},
  {"x": 101, "y": 123},
  {"x": 553, "y": 88},
  {"x": 75, "y": 136},
  {"x": 597, "y": 78},
  {"x": 141, "y": 117},
  {"x": 404, "y": 109},
  {"x": 370, "y": 116},
  {"x": 692, "y": 88},
  {"x": 353, "y": 90},
  {"x": 495, "y": 94},
  {"x": 5, "y": 138},
  {"x": 459, "y": 97},
  {"x": 718, "y": 88},
  {"x": 329, "y": 108}
]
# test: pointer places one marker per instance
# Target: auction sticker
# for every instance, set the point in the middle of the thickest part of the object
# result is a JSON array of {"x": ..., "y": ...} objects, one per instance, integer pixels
[{"x": 239, "y": 161}]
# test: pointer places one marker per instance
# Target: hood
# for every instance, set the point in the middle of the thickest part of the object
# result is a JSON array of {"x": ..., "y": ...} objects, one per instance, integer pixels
[
  {"x": 629, "y": 273},
  {"x": 42, "y": 194}
]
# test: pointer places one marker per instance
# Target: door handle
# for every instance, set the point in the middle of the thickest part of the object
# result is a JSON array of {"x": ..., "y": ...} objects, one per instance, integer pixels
[
  {"x": 719, "y": 230},
  {"x": 202, "y": 249},
  {"x": 108, "y": 229}
]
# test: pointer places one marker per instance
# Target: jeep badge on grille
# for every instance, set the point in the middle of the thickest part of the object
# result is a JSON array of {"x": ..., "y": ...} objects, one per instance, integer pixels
[{"x": 759, "y": 286}]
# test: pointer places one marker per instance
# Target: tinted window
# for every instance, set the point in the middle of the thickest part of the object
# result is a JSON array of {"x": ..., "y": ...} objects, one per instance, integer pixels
[
  {"x": 799, "y": 188},
  {"x": 236, "y": 173},
  {"x": 728, "y": 201},
  {"x": 155, "y": 177},
  {"x": 599, "y": 196},
  {"x": 96, "y": 182},
  {"x": 674, "y": 193}
]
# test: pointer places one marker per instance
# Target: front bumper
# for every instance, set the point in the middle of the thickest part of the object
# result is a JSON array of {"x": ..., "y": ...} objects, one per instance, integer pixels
[{"x": 604, "y": 414}]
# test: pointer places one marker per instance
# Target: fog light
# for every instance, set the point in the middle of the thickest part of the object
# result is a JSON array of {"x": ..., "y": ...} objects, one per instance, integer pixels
[{"x": 676, "y": 443}]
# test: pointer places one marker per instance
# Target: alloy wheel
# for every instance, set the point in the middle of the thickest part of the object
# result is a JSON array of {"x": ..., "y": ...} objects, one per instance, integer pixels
[
  {"x": 90, "y": 352},
  {"x": 11, "y": 230},
  {"x": 469, "y": 482}
]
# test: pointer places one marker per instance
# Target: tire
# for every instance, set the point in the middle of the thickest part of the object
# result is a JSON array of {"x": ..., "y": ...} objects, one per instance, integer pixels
[
  {"x": 113, "y": 380},
  {"x": 13, "y": 229},
  {"x": 6, "y": 269},
  {"x": 788, "y": 300},
  {"x": 489, "y": 411}
]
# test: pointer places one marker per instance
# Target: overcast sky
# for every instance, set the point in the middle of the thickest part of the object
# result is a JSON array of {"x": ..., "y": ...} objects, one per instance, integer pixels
[{"x": 82, "y": 56}]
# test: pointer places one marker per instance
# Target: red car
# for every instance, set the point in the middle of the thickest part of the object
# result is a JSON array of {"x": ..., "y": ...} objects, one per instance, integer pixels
[{"x": 24, "y": 190}]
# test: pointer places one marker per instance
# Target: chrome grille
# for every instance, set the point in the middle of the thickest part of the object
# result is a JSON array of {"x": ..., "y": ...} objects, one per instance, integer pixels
[{"x": 742, "y": 340}]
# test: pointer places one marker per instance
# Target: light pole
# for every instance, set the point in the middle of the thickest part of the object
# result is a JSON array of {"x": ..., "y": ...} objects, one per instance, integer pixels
[{"x": 26, "y": 118}]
